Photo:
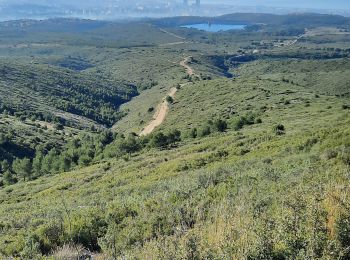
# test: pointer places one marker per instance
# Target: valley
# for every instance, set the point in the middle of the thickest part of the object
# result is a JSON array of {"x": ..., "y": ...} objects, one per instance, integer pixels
[{"x": 146, "y": 140}]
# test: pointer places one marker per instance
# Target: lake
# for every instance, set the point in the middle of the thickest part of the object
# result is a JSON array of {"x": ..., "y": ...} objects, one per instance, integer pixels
[{"x": 215, "y": 27}]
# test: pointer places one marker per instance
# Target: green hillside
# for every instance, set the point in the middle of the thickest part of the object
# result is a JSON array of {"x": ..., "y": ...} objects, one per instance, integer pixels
[{"x": 248, "y": 158}]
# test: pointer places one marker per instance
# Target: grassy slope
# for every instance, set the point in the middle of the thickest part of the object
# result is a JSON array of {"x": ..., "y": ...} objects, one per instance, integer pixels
[
  {"x": 258, "y": 167},
  {"x": 235, "y": 194}
]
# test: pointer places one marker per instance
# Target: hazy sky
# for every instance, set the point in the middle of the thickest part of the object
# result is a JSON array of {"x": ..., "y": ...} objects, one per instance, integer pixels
[
  {"x": 317, "y": 4},
  {"x": 329, "y": 4}
]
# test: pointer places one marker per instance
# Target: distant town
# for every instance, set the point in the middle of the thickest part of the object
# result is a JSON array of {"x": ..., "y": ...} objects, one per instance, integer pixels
[{"x": 132, "y": 9}]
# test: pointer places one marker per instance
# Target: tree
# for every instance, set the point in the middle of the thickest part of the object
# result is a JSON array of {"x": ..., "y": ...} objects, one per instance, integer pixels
[
  {"x": 23, "y": 168},
  {"x": 37, "y": 163},
  {"x": 65, "y": 162},
  {"x": 50, "y": 162},
  {"x": 8, "y": 178},
  {"x": 5, "y": 166}
]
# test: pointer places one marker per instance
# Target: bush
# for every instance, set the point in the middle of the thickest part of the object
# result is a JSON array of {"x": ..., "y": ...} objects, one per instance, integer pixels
[
  {"x": 160, "y": 140},
  {"x": 59, "y": 126},
  {"x": 169, "y": 99},
  {"x": 129, "y": 145},
  {"x": 279, "y": 129},
  {"x": 220, "y": 125},
  {"x": 84, "y": 160},
  {"x": 238, "y": 123},
  {"x": 31, "y": 248},
  {"x": 205, "y": 131},
  {"x": 173, "y": 137},
  {"x": 343, "y": 232},
  {"x": 193, "y": 133},
  {"x": 258, "y": 121}
]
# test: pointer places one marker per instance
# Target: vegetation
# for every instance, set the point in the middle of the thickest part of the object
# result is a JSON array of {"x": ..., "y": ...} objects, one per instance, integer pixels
[{"x": 251, "y": 162}]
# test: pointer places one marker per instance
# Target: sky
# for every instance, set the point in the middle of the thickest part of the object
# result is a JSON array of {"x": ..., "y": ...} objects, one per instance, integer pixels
[{"x": 315, "y": 4}]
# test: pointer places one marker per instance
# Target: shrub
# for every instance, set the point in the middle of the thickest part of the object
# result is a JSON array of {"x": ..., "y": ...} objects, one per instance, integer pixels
[
  {"x": 220, "y": 125},
  {"x": 169, "y": 99},
  {"x": 330, "y": 154},
  {"x": 159, "y": 140},
  {"x": 84, "y": 160},
  {"x": 343, "y": 232},
  {"x": 258, "y": 121},
  {"x": 193, "y": 133},
  {"x": 345, "y": 155},
  {"x": 31, "y": 248},
  {"x": 59, "y": 126},
  {"x": 173, "y": 137},
  {"x": 238, "y": 123},
  {"x": 129, "y": 145},
  {"x": 279, "y": 129},
  {"x": 205, "y": 131}
]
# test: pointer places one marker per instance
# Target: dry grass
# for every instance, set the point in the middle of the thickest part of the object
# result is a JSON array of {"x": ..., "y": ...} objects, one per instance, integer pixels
[{"x": 70, "y": 252}]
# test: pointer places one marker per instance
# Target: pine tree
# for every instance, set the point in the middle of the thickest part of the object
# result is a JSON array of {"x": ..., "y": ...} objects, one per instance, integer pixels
[{"x": 23, "y": 168}]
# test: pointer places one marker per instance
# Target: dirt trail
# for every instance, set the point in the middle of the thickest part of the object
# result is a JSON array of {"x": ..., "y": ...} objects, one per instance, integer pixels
[
  {"x": 184, "y": 63},
  {"x": 173, "y": 34},
  {"x": 159, "y": 115},
  {"x": 163, "y": 107}
]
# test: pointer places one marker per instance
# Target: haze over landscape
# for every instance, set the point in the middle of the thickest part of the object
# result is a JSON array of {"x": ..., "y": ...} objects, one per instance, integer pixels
[{"x": 116, "y": 9}]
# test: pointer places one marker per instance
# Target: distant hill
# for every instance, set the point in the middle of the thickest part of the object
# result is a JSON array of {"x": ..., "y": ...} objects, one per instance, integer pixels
[{"x": 303, "y": 20}]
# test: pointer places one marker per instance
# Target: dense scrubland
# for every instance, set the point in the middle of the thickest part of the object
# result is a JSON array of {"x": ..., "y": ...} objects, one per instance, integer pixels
[{"x": 251, "y": 162}]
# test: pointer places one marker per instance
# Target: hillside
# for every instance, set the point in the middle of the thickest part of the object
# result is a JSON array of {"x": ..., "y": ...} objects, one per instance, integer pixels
[{"x": 182, "y": 144}]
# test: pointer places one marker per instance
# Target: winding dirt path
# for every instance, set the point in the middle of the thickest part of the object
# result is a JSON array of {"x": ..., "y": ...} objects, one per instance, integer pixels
[
  {"x": 184, "y": 63},
  {"x": 163, "y": 107},
  {"x": 159, "y": 115}
]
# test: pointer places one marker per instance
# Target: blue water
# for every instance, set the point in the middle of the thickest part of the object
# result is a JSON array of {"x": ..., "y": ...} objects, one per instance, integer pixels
[{"x": 215, "y": 27}]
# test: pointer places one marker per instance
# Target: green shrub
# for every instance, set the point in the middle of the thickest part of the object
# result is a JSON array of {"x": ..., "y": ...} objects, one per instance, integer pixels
[
  {"x": 84, "y": 160},
  {"x": 220, "y": 125},
  {"x": 193, "y": 133},
  {"x": 258, "y": 121},
  {"x": 238, "y": 123},
  {"x": 159, "y": 140},
  {"x": 205, "y": 130},
  {"x": 169, "y": 99},
  {"x": 279, "y": 129}
]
